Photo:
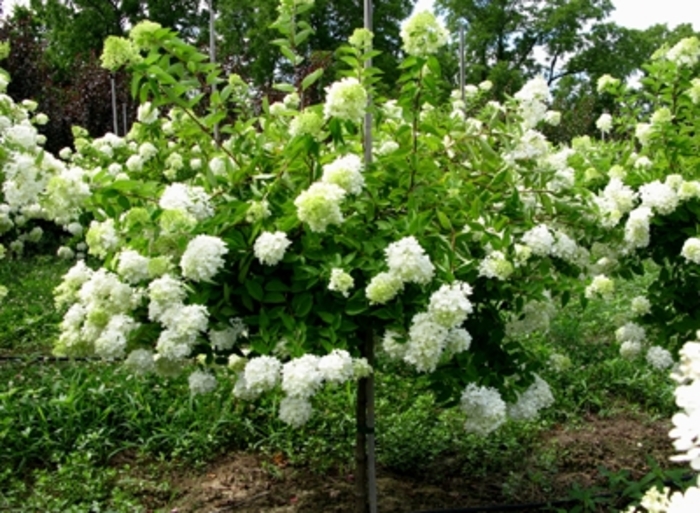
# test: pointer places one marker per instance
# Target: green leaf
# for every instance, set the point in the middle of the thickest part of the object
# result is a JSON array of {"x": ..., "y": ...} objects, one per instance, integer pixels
[
  {"x": 254, "y": 289},
  {"x": 311, "y": 78},
  {"x": 302, "y": 303}
]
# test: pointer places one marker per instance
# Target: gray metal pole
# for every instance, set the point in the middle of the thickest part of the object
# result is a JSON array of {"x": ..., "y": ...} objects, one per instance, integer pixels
[
  {"x": 462, "y": 71},
  {"x": 124, "y": 117},
  {"x": 212, "y": 54},
  {"x": 371, "y": 455},
  {"x": 114, "y": 105}
]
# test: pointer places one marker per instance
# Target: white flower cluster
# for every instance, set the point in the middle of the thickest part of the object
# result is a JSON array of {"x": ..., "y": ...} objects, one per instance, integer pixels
[
  {"x": 436, "y": 333},
  {"x": 407, "y": 262},
  {"x": 614, "y": 201},
  {"x": 346, "y": 99},
  {"x": 637, "y": 227},
  {"x": 685, "y": 433},
  {"x": 97, "y": 321},
  {"x": 190, "y": 199},
  {"x": 529, "y": 403},
  {"x": 533, "y": 98},
  {"x": 346, "y": 173},
  {"x": 539, "y": 239},
  {"x": 102, "y": 238},
  {"x": 182, "y": 323},
  {"x": 341, "y": 282},
  {"x": 660, "y": 197},
  {"x": 601, "y": 286},
  {"x": 201, "y": 382},
  {"x": 536, "y": 316},
  {"x": 685, "y": 53},
  {"x": 319, "y": 206},
  {"x": 226, "y": 338},
  {"x": 423, "y": 34},
  {"x": 132, "y": 266},
  {"x": 300, "y": 378},
  {"x": 691, "y": 250},
  {"x": 269, "y": 248},
  {"x": 495, "y": 265},
  {"x": 659, "y": 358},
  {"x": 485, "y": 409},
  {"x": 203, "y": 258}
]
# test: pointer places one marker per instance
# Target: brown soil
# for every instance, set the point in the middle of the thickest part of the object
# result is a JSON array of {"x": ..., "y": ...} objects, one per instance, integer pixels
[{"x": 567, "y": 456}]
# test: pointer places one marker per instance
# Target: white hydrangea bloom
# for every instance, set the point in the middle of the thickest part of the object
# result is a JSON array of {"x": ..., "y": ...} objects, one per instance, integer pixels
[
  {"x": 529, "y": 403},
  {"x": 495, "y": 265},
  {"x": 604, "y": 123},
  {"x": 345, "y": 172},
  {"x": 407, "y": 260},
  {"x": 102, "y": 238},
  {"x": 630, "y": 331},
  {"x": 336, "y": 367},
  {"x": 261, "y": 374},
  {"x": 346, "y": 99},
  {"x": 147, "y": 113},
  {"x": 203, "y": 258},
  {"x": 269, "y": 248},
  {"x": 383, "y": 288},
  {"x": 640, "y": 305},
  {"x": 319, "y": 206},
  {"x": 140, "y": 361},
  {"x": 630, "y": 349},
  {"x": 257, "y": 211},
  {"x": 295, "y": 411},
  {"x": 189, "y": 198},
  {"x": 685, "y": 53},
  {"x": 615, "y": 201},
  {"x": 390, "y": 345},
  {"x": 163, "y": 293},
  {"x": 301, "y": 376},
  {"x": 111, "y": 343},
  {"x": 449, "y": 305},
  {"x": 423, "y": 34},
  {"x": 533, "y": 98},
  {"x": 201, "y": 382},
  {"x": 659, "y": 197},
  {"x": 539, "y": 239},
  {"x": 225, "y": 339},
  {"x": 643, "y": 132},
  {"x": 659, "y": 358},
  {"x": 426, "y": 342},
  {"x": 458, "y": 340},
  {"x": 132, "y": 266},
  {"x": 691, "y": 250},
  {"x": 637, "y": 227},
  {"x": 341, "y": 282},
  {"x": 485, "y": 409},
  {"x": 601, "y": 286}
]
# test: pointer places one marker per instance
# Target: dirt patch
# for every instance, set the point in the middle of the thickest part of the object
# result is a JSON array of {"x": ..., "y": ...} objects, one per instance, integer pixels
[{"x": 251, "y": 483}]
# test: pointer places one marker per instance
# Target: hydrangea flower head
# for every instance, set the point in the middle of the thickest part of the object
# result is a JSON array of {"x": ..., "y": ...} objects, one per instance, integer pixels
[
  {"x": 319, "y": 206},
  {"x": 345, "y": 172},
  {"x": 270, "y": 247},
  {"x": 485, "y": 409},
  {"x": 203, "y": 258},
  {"x": 408, "y": 261},
  {"x": 346, "y": 99},
  {"x": 341, "y": 282},
  {"x": 383, "y": 288},
  {"x": 423, "y": 34},
  {"x": 118, "y": 52}
]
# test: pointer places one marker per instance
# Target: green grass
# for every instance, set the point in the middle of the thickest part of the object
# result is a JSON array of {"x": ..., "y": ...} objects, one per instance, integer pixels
[{"x": 61, "y": 424}]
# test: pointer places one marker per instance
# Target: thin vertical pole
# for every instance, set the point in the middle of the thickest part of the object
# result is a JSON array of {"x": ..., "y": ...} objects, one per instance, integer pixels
[
  {"x": 462, "y": 64},
  {"x": 124, "y": 117},
  {"x": 114, "y": 105},
  {"x": 369, "y": 336},
  {"x": 212, "y": 54}
]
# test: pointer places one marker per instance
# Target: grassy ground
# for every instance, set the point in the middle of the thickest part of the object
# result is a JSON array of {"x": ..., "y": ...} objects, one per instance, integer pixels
[{"x": 89, "y": 437}]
